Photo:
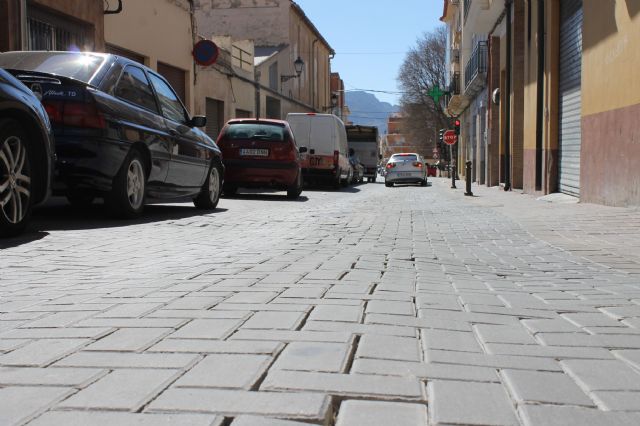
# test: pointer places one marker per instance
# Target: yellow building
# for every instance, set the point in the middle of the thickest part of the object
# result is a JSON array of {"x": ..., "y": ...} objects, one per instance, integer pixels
[{"x": 562, "y": 97}]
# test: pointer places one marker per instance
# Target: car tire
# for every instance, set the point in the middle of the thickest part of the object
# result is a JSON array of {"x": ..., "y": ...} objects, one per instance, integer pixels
[
  {"x": 423, "y": 182},
  {"x": 295, "y": 191},
  {"x": 229, "y": 190},
  {"x": 210, "y": 194},
  {"x": 128, "y": 192},
  {"x": 337, "y": 183},
  {"x": 388, "y": 184},
  {"x": 15, "y": 178}
]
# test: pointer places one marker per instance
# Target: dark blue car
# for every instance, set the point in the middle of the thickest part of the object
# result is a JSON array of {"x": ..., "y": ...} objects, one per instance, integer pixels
[
  {"x": 121, "y": 132},
  {"x": 26, "y": 154}
]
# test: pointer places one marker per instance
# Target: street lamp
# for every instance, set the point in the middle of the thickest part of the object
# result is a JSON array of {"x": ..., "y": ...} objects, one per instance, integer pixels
[
  {"x": 298, "y": 66},
  {"x": 334, "y": 102}
]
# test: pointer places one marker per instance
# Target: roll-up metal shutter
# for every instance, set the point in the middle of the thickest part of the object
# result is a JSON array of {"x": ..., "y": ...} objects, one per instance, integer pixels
[
  {"x": 215, "y": 117},
  {"x": 570, "y": 95}
]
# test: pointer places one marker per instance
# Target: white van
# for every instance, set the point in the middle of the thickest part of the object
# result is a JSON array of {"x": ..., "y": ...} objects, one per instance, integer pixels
[{"x": 325, "y": 138}]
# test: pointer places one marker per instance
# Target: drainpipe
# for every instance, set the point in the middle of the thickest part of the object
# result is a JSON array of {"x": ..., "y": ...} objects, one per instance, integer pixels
[
  {"x": 24, "y": 37},
  {"x": 507, "y": 139},
  {"x": 312, "y": 72}
]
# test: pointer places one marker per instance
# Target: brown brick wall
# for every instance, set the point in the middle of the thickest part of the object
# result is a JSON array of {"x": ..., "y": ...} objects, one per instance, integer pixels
[
  {"x": 493, "y": 148},
  {"x": 517, "y": 99}
]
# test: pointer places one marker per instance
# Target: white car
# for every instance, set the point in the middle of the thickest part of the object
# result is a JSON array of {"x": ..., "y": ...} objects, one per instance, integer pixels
[{"x": 405, "y": 168}]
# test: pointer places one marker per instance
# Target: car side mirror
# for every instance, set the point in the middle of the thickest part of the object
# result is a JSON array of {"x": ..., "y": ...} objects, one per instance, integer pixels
[
  {"x": 302, "y": 149},
  {"x": 198, "y": 121}
]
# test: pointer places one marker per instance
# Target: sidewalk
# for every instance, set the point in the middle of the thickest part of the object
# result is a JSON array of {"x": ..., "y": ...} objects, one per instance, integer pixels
[{"x": 609, "y": 236}]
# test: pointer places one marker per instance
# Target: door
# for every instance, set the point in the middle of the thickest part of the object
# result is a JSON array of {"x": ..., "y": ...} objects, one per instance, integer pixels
[
  {"x": 570, "y": 96},
  {"x": 189, "y": 162},
  {"x": 215, "y": 117}
]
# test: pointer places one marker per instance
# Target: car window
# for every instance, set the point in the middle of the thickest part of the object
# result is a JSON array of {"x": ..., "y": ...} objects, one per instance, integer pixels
[
  {"x": 133, "y": 86},
  {"x": 269, "y": 132},
  {"x": 79, "y": 66},
  {"x": 171, "y": 106},
  {"x": 404, "y": 157}
]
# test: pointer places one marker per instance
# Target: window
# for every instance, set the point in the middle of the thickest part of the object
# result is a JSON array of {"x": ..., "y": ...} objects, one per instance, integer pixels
[
  {"x": 169, "y": 102},
  {"x": 273, "y": 76},
  {"x": 404, "y": 157},
  {"x": 176, "y": 77},
  {"x": 256, "y": 131},
  {"x": 48, "y": 31},
  {"x": 134, "y": 87}
]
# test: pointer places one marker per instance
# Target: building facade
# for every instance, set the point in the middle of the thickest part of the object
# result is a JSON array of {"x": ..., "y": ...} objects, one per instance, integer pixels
[
  {"x": 556, "y": 107},
  {"x": 52, "y": 25},
  {"x": 282, "y": 34}
]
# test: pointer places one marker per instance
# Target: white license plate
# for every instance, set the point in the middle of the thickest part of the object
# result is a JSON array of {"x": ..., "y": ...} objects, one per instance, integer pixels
[
  {"x": 404, "y": 174},
  {"x": 254, "y": 152}
]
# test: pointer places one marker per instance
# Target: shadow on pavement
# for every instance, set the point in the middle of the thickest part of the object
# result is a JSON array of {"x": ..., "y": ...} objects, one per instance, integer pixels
[{"x": 58, "y": 215}]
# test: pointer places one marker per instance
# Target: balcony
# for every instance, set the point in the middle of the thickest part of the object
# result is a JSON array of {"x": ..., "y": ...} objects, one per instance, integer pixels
[
  {"x": 479, "y": 16},
  {"x": 454, "y": 84},
  {"x": 456, "y": 102},
  {"x": 475, "y": 72}
]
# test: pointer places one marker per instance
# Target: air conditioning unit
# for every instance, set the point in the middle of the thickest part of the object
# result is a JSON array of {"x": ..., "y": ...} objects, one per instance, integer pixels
[{"x": 455, "y": 55}]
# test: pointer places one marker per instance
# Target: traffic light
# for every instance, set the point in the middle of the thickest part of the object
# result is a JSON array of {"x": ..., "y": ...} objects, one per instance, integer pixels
[
  {"x": 456, "y": 126},
  {"x": 441, "y": 136}
]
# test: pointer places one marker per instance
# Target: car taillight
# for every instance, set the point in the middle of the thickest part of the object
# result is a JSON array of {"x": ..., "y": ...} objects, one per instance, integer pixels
[
  {"x": 75, "y": 114},
  {"x": 391, "y": 165},
  {"x": 336, "y": 158},
  {"x": 417, "y": 164}
]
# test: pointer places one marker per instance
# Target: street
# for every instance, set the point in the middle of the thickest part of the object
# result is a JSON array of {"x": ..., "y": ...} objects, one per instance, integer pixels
[{"x": 367, "y": 306}]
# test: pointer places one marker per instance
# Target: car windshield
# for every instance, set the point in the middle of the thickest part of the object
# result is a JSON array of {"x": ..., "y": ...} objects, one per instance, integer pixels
[
  {"x": 404, "y": 157},
  {"x": 268, "y": 132},
  {"x": 76, "y": 65}
]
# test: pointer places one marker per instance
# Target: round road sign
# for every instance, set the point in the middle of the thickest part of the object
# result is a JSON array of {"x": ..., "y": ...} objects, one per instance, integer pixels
[
  {"x": 450, "y": 137},
  {"x": 205, "y": 52}
]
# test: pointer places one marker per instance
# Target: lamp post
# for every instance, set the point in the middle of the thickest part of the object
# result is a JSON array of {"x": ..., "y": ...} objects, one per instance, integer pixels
[{"x": 298, "y": 66}]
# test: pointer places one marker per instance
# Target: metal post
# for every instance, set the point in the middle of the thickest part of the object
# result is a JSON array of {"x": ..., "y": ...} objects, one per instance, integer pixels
[
  {"x": 468, "y": 179},
  {"x": 452, "y": 165}
]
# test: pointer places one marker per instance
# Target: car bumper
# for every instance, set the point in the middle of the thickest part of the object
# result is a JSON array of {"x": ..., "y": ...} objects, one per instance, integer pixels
[
  {"x": 260, "y": 173},
  {"x": 87, "y": 164},
  {"x": 399, "y": 177}
]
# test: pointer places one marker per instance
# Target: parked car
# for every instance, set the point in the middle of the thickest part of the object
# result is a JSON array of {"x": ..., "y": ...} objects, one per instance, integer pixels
[
  {"x": 26, "y": 154},
  {"x": 405, "y": 168},
  {"x": 121, "y": 132},
  {"x": 325, "y": 138},
  {"x": 261, "y": 154},
  {"x": 432, "y": 169}
]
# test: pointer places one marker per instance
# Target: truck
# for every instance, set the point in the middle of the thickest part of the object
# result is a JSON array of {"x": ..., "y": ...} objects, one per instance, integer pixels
[{"x": 364, "y": 141}]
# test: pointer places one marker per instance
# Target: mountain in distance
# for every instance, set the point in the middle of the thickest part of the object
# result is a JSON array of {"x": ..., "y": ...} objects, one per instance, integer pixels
[{"x": 367, "y": 110}]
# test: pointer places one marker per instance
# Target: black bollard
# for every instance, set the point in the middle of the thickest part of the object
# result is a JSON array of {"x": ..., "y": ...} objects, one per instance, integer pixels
[{"x": 468, "y": 179}]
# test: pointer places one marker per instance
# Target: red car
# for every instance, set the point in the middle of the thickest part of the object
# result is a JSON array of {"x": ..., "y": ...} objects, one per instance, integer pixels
[{"x": 260, "y": 153}]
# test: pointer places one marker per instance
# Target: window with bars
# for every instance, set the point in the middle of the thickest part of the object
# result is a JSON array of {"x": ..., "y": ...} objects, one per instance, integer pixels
[{"x": 53, "y": 32}]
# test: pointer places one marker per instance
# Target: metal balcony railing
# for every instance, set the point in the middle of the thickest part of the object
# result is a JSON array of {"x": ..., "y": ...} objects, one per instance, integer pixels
[
  {"x": 454, "y": 84},
  {"x": 477, "y": 64}
]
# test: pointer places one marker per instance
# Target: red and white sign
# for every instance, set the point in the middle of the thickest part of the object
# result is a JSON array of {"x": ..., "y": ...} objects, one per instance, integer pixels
[{"x": 450, "y": 137}]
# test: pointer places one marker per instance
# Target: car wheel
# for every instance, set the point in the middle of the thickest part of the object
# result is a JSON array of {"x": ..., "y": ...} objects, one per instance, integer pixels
[
  {"x": 126, "y": 199},
  {"x": 423, "y": 182},
  {"x": 294, "y": 192},
  {"x": 373, "y": 179},
  {"x": 337, "y": 182},
  {"x": 229, "y": 190},
  {"x": 388, "y": 184},
  {"x": 15, "y": 178},
  {"x": 210, "y": 194}
]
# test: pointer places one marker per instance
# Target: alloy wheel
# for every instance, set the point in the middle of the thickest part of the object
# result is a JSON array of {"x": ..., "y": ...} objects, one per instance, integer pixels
[
  {"x": 214, "y": 184},
  {"x": 135, "y": 184},
  {"x": 15, "y": 180}
]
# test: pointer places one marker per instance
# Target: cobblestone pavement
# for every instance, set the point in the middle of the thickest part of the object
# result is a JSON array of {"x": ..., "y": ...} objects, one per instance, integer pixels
[{"x": 370, "y": 306}]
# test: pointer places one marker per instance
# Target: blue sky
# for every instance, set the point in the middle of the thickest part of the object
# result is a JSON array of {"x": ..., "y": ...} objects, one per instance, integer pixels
[{"x": 371, "y": 37}]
